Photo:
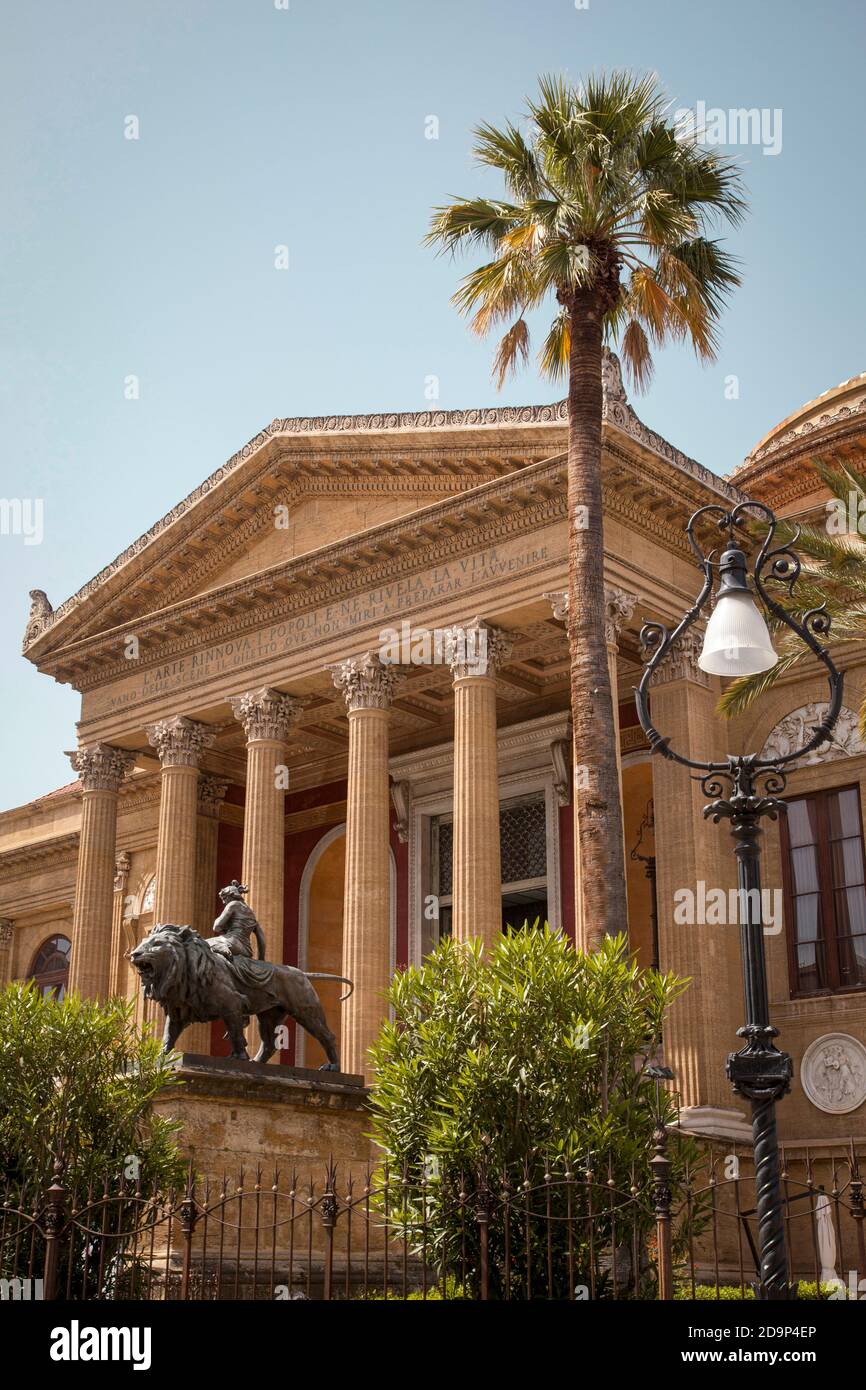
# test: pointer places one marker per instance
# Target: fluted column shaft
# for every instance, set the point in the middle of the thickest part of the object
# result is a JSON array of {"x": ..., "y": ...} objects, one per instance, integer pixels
[
  {"x": 475, "y": 651},
  {"x": 7, "y": 937},
  {"x": 101, "y": 768},
  {"x": 119, "y": 971},
  {"x": 266, "y": 716},
  {"x": 367, "y": 686},
  {"x": 211, "y": 791},
  {"x": 179, "y": 743}
]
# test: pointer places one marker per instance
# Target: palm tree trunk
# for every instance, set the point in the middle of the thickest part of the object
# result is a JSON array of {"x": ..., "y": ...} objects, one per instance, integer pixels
[{"x": 598, "y": 813}]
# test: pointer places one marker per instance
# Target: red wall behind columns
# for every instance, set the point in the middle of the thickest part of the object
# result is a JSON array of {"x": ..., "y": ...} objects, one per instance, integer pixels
[
  {"x": 298, "y": 849},
  {"x": 566, "y": 867}
]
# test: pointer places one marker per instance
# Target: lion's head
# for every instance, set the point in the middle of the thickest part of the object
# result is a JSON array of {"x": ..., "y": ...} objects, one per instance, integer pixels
[{"x": 175, "y": 964}]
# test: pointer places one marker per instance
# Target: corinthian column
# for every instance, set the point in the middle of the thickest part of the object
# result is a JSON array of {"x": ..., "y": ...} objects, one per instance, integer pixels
[
  {"x": 101, "y": 769},
  {"x": 474, "y": 652},
  {"x": 179, "y": 742},
  {"x": 266, "y": 716},
  {"x": 367, "y": 686}
]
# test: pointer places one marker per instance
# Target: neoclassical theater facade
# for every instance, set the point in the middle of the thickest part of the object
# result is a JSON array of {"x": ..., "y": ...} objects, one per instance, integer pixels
[{"x": 238, "y": 721}]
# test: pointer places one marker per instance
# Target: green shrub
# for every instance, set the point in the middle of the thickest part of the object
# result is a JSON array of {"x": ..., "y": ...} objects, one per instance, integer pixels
[
  {"x": 514, "y": 1064},
  {"x": 703, "y": 1293},
  {"x": 76, "y": 1080}
]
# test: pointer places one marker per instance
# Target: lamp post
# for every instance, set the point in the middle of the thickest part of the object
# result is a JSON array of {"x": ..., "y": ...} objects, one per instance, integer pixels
[{"x": 745, "y": 788}]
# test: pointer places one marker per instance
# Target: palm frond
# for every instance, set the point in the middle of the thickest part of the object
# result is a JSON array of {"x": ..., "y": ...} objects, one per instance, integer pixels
[{"x": 513, "y": 348}]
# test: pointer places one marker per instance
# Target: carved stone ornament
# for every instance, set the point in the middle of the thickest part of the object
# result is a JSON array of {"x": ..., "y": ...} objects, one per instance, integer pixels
[
  {"x": 179, "y": 741},
  {"x": 101, "y": 767},
  {"x": 7, "y": 931},
  {"x": 39, "y": 615},
  {"x": 211, "y": 795},
  {"x": 560, "y": 756},
  {"x": 796, "y": 728},
  {"x": 266, "y": 714},
  {"x": 558, "y": 601},
  {"x": 833, "y": 1073},
  {"x": 618, "y": 608},
  {"x": 682, "y": 662},
  {"x": 401, "y": 796},
  {"x": 122, "y": 865},
  {"x": 476, "y": 648},
  {"x": 366, "y": 682}
]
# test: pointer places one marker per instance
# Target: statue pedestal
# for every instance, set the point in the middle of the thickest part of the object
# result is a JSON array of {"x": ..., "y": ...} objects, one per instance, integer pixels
[
  {"x": 245, "y": 1114},
  {"x": 268, "y": 1221}
]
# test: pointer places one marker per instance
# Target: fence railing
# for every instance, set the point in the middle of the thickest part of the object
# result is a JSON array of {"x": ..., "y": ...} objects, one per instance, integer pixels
[{"x": 655, "y": 1229}]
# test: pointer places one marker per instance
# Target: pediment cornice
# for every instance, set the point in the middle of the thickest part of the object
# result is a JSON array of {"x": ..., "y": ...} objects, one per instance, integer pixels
[
  {"x": 426, "y": 454},
  {"x": 639, "y": 492}
]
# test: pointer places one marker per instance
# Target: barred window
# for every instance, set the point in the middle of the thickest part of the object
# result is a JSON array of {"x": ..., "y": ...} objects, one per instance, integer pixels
[
  {"x": 523, "y": 841},
  {"x": 523, "y": 837}
]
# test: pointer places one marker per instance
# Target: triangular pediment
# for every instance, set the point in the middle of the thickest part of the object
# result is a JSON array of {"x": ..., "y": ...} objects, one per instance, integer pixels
[{"x": 303, "y": 485}]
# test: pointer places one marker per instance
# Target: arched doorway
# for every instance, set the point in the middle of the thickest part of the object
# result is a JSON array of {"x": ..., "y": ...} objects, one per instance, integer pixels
[{"x": 320, "y": 931}]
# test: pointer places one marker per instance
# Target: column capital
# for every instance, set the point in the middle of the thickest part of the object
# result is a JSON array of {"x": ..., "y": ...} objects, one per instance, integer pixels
[
  {"x": 476, "y": 648},
  {"x": 681, "y": 662},
  {"x": 101, "y": 767},
  {"x": 619, "y": 605},
  {"x": 211, "y": 795},
  {"x": 366, "y": 682},
  {"x": 265, "y": 713},
  {"x": 179, "y": 741},
  {"x": 7, "y": 931},
  {"x": 558, "y": 601}
]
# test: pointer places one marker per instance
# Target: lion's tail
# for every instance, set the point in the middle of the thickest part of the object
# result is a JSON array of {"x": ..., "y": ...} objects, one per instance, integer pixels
[{"x": 318, "y": 975}]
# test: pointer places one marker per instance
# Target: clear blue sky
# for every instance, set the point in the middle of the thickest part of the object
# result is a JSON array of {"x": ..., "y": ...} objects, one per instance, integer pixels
[{"x": 306, "y": 127}]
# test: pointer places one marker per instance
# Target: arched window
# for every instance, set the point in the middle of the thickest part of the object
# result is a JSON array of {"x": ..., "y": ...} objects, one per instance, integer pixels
[{"x": 50, "y": 966}]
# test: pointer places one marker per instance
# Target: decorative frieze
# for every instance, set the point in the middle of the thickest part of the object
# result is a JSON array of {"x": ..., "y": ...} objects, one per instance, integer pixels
[
  {"x": 266, "y": 714},
  {"x": 179, "y": 741},
  {"x": 101, "y": 767},
  {"x": 365, "y": 681}
]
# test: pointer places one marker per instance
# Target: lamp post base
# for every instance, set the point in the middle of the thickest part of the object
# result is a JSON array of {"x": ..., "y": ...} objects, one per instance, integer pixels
[{"x": 762, "y": 1074}]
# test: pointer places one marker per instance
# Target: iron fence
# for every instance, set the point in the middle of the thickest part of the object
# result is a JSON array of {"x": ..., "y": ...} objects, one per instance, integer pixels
[{"x": 654, "y": 1229}]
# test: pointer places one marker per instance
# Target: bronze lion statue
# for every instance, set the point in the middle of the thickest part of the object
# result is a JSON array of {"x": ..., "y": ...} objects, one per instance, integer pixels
[{"x": 194, "y": 984}]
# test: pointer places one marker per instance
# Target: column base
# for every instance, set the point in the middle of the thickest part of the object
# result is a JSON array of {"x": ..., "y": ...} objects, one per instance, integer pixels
[{"x": 712, "y": 1122}]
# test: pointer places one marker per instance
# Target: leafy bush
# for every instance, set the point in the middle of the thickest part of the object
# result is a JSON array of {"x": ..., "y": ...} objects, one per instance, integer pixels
[
  {"x": 77, "y": 1079},
  {"x": 528, "y": 1061},
  {"x": 705, "y": 1293}
]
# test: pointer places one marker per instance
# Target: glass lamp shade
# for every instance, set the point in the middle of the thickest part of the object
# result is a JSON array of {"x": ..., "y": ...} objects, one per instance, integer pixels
[{"x": 737, "y": 642}]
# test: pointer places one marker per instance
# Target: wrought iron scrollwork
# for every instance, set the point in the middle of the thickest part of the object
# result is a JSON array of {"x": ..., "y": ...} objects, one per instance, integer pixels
[{"x": 752, "y": 783}]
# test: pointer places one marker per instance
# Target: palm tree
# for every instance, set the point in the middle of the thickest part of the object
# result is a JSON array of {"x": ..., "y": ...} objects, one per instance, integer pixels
[
  {"x": 608, "y": 210},
  {"x": 833, "y": 557}
]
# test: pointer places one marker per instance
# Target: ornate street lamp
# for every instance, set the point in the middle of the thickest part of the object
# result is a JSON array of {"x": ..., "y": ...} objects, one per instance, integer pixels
[{"x": 744, "y": 788}]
